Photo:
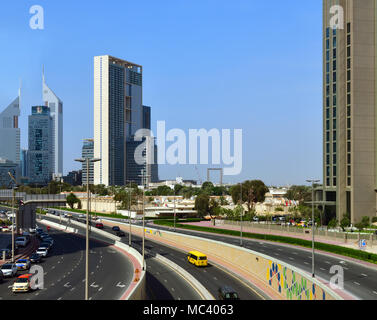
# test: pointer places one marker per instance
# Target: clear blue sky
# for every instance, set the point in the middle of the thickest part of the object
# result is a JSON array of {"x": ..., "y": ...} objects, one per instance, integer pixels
[{"x": 245, "y": 64}]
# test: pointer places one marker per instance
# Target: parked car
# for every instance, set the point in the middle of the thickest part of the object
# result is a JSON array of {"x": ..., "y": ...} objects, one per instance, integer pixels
[
  {"x": 46, "y": 244},
  {"x": 116, "y": 228},
  {"x": 9, "y": 269},
  {"x": 99, "y": 225},
  {"x": 23, "y": 264},
  {"x": 23, "y": 283},
  {"x": 1, "y": 276},
  {"x": 43, "y": 251},
  {"x": 228, "y": 293},
  {"x": 35, "y": 258}
]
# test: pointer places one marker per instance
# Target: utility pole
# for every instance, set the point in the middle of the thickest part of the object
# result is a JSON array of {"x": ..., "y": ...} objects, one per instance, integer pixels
[
  {"x": 312, "y": 181},
  {"x": 143, "y": 177}
]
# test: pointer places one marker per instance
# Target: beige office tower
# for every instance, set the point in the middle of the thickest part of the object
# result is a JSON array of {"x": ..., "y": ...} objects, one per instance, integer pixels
[{"x": 350, "y": 108}]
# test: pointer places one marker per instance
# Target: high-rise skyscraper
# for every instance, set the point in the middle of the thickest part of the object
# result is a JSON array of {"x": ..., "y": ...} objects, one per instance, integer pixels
[
  {"x": 10, "y": 133},
  {"x": 350, "y": 108},
  {"x": 40, "y": 146},
  {"x": 118, "y": 114},
  {"x": 24, "y": 163},
  {"x": 88, "y": 152},
  {"x": 52, "y": 101}
]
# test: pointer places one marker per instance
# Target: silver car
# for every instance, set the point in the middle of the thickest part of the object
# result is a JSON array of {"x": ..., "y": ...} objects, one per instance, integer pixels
[
  {"x": 9, "y": 269},
  {"x": 42, "y": 251}
]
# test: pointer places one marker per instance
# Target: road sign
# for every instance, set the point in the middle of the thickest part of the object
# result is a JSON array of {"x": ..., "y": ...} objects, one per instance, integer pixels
[{"x": 362, "y": 244}]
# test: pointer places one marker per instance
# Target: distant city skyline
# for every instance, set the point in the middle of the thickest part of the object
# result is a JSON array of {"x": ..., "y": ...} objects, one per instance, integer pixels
[{"x": 203, "y": 69}]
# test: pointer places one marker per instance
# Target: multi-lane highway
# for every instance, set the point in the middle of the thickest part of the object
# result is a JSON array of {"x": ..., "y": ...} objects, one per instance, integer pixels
[
  {"x": 64, "y": 272},
  {"x": 359, "y": 280},
  {"x": 212, "y": 277}
]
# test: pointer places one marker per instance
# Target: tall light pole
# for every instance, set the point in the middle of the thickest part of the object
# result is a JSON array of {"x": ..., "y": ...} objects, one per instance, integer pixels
[
  {"x": 87, "y": 161},
  {"x": 174, "y": 209},
  {"x": 13, "y": 213},
  {"x": 312, "y": 181},
  {"x": 144, "y": 176},
  {"x": 241, "y": 202}
]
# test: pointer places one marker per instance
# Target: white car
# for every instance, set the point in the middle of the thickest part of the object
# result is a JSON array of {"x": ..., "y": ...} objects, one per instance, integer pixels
[
  {"x": 9, "y": 269},
  {"x": 42, "y": 251}
]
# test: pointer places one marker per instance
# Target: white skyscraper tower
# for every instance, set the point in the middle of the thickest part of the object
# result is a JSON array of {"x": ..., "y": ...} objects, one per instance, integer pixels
[
  {"x": 10, "y": 132},
  {"x": 52, "y": 101}
]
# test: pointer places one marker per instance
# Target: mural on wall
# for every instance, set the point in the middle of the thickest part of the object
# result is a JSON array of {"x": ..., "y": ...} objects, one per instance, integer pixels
[{"x": 294, "y": 285}]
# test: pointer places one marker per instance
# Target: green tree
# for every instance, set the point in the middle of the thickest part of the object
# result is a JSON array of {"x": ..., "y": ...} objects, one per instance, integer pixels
[
  {"x": 299, "y": 193},
  {"x": 72, "y": 199},
  {"x": 202, "y": 204},
  {"x": 345, "y": 222},
  {"x": 332, "y": 224}
]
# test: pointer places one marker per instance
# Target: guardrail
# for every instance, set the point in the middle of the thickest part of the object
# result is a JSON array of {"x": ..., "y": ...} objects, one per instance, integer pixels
[{"x": 286, "y": 281}]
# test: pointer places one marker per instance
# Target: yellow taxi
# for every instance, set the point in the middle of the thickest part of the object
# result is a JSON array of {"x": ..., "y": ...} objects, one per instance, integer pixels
[
  {"x": 197, "y": 258},
  {"x": 23, "y": 283}
]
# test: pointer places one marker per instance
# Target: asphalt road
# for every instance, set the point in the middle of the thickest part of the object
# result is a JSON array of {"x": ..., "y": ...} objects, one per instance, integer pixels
[
  {"x": 64, "y": 272},
  {"x": 162, "y": 282},
  {"x": 211, "y": 277},
  {"x": 359, "y": 280}
]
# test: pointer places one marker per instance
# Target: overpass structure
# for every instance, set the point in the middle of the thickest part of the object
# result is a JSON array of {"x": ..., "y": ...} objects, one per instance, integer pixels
[{"x": 28, "y": 203}]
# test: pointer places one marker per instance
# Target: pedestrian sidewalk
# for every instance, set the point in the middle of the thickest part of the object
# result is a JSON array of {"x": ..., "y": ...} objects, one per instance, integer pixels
[{"x": 353, "y": 244}]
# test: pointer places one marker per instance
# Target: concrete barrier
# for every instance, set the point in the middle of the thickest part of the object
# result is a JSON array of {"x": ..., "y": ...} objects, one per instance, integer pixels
[{"x": 286, "y": 281}]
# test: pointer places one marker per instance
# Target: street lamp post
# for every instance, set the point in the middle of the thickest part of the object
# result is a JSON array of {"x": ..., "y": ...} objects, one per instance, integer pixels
[
  {"x": 14, "y": 221},
  {"x": 87, "y": 161},
  {"x": 129, "y": 211},
  {"x": 144, "y": 176},
  {"x": 174, "y": 209},
  {"x": 312, "y": 181},
  {"x": 241, "y": 214}
]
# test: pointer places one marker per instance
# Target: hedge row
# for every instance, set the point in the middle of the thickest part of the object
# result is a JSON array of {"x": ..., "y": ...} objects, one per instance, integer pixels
[{"x": 349, "y": 252}]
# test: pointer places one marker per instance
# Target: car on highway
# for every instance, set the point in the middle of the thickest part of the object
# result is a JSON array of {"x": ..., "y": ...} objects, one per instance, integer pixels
[
  {"x": 116, "y": 228},
  {"x": 46, "y": 244},
  {"x": 99, "y": 225},
  {"x": 23, "y": 264},
  {"x": 120, "y": 234},
  {"x": 8, "y": 253},
  {"x": 9, "y": 269},
  {"x": 42, "y": 251},
  {"x": 22, "y": 241},
  {"x": 35, "y": 258},
  {"x": 228, "y": 293},
  {"x": 197, "y": 258},
  {"x": 39, "y": 230},
  {"x": 23, "y": 283},
  {"x": 5, "y": 229}
]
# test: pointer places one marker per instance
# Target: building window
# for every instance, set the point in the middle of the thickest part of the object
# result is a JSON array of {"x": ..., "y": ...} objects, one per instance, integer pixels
[
  {"x": 327, "y": 78},
  {"x": 334, "y": 76},
  {"x": 349, "y": 98},
  {"x": 334, "y": 124},
  {"x": 348, "y": 134},
  {"x": 327, "y": 136},
  {"x": 334, "y": 170},
  {"x": 334, "y": 53},
  {"x": 327, "y": 102},
  {"x": 334, "y": 135},
  {"x": 348, "y": 39},
  {"x": 327, "y": 124},
  {"x": 348, "y": 146},
  {"x": 327, "y": 32},
  {"x": 349, "y": 158},
  {"x": 327, "y": 67},
  {"x": 334, "y": 42},
  {"x": 327, "y": 113},
  {"x": 327, "y": 55},
  {"x": 349, "y": 181},
  {"x": 348, "y": 27},
  {"x": 328, "y": 171},
  {"x": 327, "y": 90},
  {"x": 334, "y": 100},
  {"x": 328, "y": 182},
  {"x": 334, "y": 147},
  {"x": 328, "y": 160},
  {"x": 349, "y": 75},
  {"x": 334, "y": 182},
  {"x": 327, "y": 44},
  {"x": 334, "y": 65},
  {"x": 349, "y": 170},
  {"x": 327, "y": 147},
  {"x": 348, "y": 52},
  {"x": 334, "y": 159},
  {"x": 348, "y": 111},
  {"x": 348, "y": 123},
  {"x": 348, "y": 87}
]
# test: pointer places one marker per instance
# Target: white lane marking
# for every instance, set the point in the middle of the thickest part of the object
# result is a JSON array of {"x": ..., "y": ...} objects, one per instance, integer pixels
[
  {"x": 295, "y": 253},
  {"x": 323, "y": 269},
  {"x": 53, "y": 267},
  {"x": 172, "y": 289},
  {"x": 72, "y": 289},
  {"x": 67, "y": 285},
  {"x": 375, "y": 292},
  {"x": 120, "y": 285},
  {"x": 165, "y": 280},
  {"x": 306, "y": 262},
  {"x": 60, "y": 298},
  {"x": 100, "y": 289},
  {"x": 280, "y": 249},
  {"x": 356, "y": 283},
  {"x": 94, "y": 285},
  {"x": 290, "y": 258},
  {"x": 364, "y": 275}
]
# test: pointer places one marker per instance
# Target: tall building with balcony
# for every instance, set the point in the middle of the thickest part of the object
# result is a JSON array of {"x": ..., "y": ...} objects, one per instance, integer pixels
[
  {"x": 40, "y": 155},
  {"x": 55, "y": 105},
  {"x": 88, "y": 152},
  {"x": 350, "y": 110},
  {"x": 118, "y": 114},
  {"x": 10, "y": 132}
]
